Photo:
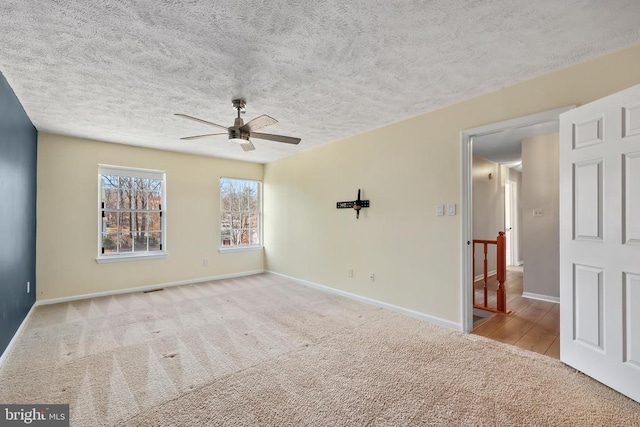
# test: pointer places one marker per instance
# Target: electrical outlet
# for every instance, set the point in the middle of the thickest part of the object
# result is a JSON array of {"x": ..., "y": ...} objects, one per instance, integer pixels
[
  {"x": 350, "y": 272},
  {"x": 538, "y": 212},
  {"x": 28, "y": 287},
  {"x": 371, "y": 277},
  {"x": 205, "y": 262}
]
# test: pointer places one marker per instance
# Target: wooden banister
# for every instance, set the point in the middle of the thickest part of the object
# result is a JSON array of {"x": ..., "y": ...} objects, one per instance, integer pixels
[{"x": 501, "y": 272}]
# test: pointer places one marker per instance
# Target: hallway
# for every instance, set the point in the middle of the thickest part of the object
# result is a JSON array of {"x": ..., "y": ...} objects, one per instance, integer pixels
[{"x": 533, "y": 325}]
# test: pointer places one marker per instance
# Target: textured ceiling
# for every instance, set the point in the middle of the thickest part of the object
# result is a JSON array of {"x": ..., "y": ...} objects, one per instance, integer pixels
[{"x": 118, "y": 70}]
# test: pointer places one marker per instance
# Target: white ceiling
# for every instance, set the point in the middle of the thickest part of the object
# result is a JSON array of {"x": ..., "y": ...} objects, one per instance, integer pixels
[
  {"x": 505, "y": 147},
  {"x": 118, "y": 70}
]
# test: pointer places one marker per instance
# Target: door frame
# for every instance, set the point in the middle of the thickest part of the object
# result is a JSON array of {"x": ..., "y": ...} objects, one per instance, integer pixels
[
  {"x": 511, "y": 188},
  {"x": 466, "y": 137}
]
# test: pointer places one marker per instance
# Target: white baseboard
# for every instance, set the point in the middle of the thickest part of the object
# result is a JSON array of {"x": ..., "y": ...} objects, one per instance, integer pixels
[
  {"x": 146, "y": 288},
  {"x": 481, "y": 276},
  {"x": 412, "y": 313},
  {"x": 541, "y": 297},
  {"x": 519, "y": 263},
  {"x": 13, "y": 341}
]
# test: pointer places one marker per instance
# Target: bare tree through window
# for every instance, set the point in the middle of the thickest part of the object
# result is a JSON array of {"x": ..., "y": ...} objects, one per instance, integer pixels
[
  {"x": 131, "y": 211},
  {"x": 240, "y": 212}
]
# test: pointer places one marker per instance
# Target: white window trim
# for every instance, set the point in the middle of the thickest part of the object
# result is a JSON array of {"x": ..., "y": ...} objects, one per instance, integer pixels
[
  {"x": 224, "y": 249},
  {"x": 242, "y": 248},
  {"x": 105, "y": 259},
  {"x": 138, "y": 173}
]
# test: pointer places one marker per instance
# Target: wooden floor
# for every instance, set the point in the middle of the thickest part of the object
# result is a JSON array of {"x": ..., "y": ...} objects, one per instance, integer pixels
[{"x": 533, "y": 325}]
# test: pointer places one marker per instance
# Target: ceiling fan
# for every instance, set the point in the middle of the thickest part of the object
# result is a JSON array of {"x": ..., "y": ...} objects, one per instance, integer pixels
[{"x": 240, "y": 132}]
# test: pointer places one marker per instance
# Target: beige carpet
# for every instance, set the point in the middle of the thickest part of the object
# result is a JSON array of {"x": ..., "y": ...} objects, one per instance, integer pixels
[{"x": 263, "y": 351}]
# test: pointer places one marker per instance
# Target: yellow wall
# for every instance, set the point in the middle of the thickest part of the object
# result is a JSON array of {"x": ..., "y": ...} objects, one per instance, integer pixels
[
  {"x": 67, "y": 212},
  {"x": 405, "y": 169}
]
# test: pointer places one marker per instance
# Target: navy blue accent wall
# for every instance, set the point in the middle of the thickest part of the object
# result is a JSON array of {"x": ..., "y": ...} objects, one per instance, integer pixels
[{"x": 18, "y": 152}]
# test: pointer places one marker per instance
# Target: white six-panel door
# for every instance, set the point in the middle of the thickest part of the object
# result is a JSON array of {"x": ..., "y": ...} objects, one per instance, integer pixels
[{"x": 600, "y": 240}]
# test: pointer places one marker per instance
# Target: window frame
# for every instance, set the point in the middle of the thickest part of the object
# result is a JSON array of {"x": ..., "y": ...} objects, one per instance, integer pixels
[
  {"x": 134, "y": 173},
  {"x": 259, "y": 213}
]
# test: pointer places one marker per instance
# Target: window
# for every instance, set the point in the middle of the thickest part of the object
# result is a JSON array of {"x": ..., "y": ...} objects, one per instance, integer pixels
[
  {"x": 131, "y": 214},
  {"x": 240, "y": 213}
]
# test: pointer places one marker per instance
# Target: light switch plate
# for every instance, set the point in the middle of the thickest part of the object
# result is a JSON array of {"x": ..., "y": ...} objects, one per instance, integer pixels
[
  {"x": 451, "y": 209},
  {"x": 440, "y": 210}
]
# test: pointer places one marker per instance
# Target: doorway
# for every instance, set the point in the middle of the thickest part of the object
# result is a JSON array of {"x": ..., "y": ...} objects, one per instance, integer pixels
[{"x": 469, "y": 137}]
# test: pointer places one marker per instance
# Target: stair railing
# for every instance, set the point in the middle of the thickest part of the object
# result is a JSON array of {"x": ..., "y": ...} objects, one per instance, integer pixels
[{"x": 501, "y": 272}]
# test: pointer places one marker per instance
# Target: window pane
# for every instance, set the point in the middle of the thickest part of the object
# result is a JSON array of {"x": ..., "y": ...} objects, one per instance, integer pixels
[
  {"x": 140, "y": 184},
  {"x": 125, "y": 198},
  {"x": 109, "y": 181},
  {"x": 244, "y": 218},
  {"x": 155, "y": 239},
  {"x": 125, "y": 182},
  {"x": 110, "y": 242},
  {"x": 141, "y": 221},
  {"x": 126, "y": 243},
  {"x": 254, "y": 204},
  {"x": 225, "y": 229},
  {"x": 244, "y": 235},
  {"x": 109, "y": 193},
  {"x": 110, "y": 198},
  {"x": 255, "y": 237},
  {"x": 138, "y": 199},
  {"x": 225, "y": 237},
  {"x": 241, "y": 196},
  {"x": 110, "y": 222},
  {"x": 253, "y": 220},
  {"x": 236, "y": 229},
  {"x": 154, "y": 185},
  {"x": 225, "y": 201},
  {"x": 125, "y": 222},
  {"x": 139, "y": 242},
  {"x": 155, "y": 200},
  {"x": 154, "y": 222},
  {"x": 225, "y": 221},
  {"x": 233, "y": 201}
]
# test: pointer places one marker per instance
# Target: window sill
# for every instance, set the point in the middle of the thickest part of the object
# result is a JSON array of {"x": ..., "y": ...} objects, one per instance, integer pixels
[
  {"x": 122, "y": 258},
  {"x": 225, "y": 249}
]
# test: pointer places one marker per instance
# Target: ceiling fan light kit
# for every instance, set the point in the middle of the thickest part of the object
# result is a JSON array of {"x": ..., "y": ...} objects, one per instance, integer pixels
[{"x": 240, "y": 133}]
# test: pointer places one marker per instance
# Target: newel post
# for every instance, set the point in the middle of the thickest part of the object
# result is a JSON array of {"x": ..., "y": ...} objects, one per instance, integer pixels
[{"x": 501, "y": 267}]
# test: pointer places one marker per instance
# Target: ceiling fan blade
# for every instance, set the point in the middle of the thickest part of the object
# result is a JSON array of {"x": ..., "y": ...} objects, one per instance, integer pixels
[
  {"x": 201, "y": 121},
  {"x": 278, "y": 138},
  {"x": 248, "y": 146},
  {"x": 258, "y": 122},
  {"x": 202, "y": 136}
]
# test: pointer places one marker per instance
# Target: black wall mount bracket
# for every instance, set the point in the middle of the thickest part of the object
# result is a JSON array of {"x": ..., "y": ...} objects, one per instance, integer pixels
[{"x": 355, "y": 205}]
